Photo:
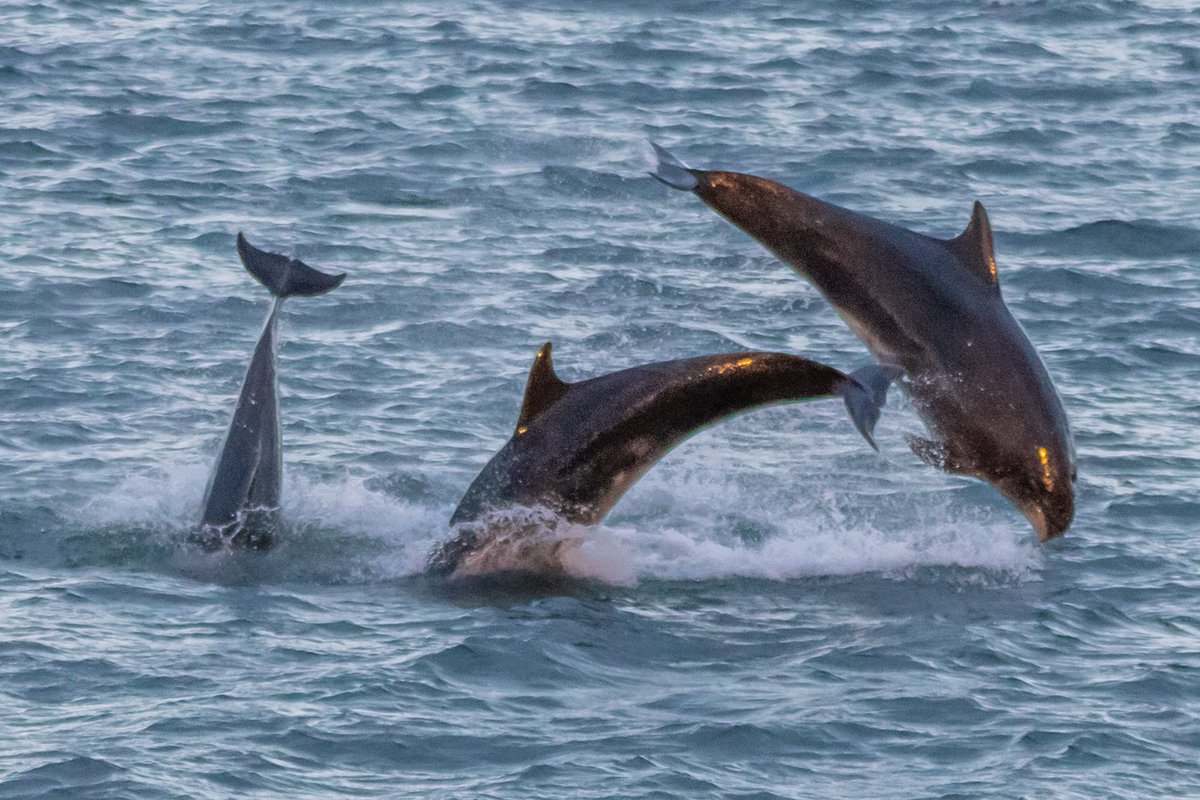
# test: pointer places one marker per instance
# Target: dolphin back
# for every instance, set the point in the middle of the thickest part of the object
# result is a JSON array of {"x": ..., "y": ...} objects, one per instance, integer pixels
[{"x": 285, "y": 276}]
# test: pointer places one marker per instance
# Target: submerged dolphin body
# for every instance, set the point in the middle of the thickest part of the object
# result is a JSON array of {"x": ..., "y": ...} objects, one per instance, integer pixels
[
  {"x": 242, "y": 499},
  {"x": 578, "y": 446},
  {"x": 933, "y": 307}
]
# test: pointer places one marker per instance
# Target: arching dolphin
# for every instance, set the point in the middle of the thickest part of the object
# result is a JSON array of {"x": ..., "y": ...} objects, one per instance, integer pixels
[
  {"x": 242, "y": 499},
  {"x": 933, "y": 307},
  {"x": 578, "y": 446}
]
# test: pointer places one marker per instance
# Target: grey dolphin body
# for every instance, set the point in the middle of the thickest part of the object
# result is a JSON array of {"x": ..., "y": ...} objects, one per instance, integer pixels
[
  {"x": 578, "y": 446},
  {"x": 242, "y": 499},
  {"x": 933, "y": 307}
]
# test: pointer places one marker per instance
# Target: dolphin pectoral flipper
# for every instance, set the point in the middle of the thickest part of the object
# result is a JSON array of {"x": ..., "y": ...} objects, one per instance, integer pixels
[
  {"x": 285, "y": 276},
  {"x": 671, "y": 171},
  {"x": 865, "y": 394}
]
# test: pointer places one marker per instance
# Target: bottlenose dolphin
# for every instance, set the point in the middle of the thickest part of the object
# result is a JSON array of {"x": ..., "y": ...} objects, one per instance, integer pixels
[
  {"x": 933, "y": 307},
  {"x": 242, "y": 499},
  {"x": 578, "y": 446}
]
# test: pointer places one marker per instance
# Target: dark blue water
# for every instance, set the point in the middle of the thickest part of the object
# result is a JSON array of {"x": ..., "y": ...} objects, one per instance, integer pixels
[{"x": 775, "y": 611}]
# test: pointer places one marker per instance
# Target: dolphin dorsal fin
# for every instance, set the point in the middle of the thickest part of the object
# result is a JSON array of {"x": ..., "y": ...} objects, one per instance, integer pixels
[
  {"x": 542, "y": 390},
  {"x": 974, "y": 246}
]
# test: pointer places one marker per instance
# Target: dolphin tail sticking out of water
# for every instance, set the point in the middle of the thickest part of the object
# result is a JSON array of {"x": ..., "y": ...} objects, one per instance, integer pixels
[
  {"x": 933, "y": 307},
  {"x": 579, "y": 446},
  {"x": 242, "y": 500}
]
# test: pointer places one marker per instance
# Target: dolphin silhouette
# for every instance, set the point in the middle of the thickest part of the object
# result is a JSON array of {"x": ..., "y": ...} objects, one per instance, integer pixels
[
  {"x": 579, "y": 446},
  {"x": 933, "y": 307},
  {"x": 241, "y": 502}
]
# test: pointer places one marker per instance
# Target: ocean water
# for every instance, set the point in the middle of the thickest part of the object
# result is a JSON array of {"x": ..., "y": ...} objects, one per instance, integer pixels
[{"x": 775, "y": 611}]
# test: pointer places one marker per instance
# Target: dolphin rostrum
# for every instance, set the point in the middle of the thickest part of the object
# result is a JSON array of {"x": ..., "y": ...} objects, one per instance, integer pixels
[
  {"x": 578, "y": 446},
  {"x": 933, "y": 307},
  {"x": 242, "y": 499}
]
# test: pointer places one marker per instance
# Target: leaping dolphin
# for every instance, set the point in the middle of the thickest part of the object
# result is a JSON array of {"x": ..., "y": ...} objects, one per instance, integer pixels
[
  {"x": 578, "y": 446},
  {"x": 242, "y": 500},
  {"x": 933, "y": 307}
]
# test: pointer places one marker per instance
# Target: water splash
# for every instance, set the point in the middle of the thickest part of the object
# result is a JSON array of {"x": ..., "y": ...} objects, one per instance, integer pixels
[
  {"x": 333, "y": 531},
  {"x": 685, "y": 530},
  {"x": 678, "y": 524}
]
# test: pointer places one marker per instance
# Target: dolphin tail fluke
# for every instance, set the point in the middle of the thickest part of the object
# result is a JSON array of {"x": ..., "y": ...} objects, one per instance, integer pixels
[
  {"x": 865, "y": 394},
  {"x": 282, "y": 275},
  {"x": 671, "y": 171}
]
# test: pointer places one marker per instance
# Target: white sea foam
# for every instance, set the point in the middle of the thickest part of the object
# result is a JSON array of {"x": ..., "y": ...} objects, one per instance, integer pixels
[
  {"x": 168, "y": 497},
  {"x": 535, "y": 540},
  {"x": 804, "y": 550},
  {"x": 403, "y": 531},
  {"x": 690, "y": 534},
  {"x": 673, "y": 526},
  {"x": 333, "y": 530}
]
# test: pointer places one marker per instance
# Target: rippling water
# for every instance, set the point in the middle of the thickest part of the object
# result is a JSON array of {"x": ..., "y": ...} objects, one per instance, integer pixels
[{"x": 775, "y": 611}]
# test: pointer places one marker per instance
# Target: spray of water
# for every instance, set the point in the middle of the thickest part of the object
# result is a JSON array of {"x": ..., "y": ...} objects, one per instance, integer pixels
[{"x": 674, "y": 526}]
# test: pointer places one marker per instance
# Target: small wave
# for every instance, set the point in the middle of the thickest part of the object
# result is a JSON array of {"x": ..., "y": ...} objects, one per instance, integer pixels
[
  {"x": 26, "y": 152},
  {"x": 1139, "y": 239},
  {"x": 147, "y": 127},
  {"x": 70, "y": 775}
]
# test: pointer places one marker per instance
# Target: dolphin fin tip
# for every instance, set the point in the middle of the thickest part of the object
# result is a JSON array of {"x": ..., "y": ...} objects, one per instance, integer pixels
[
  {"x": 868, "y": 435},
  {"x": 864, "y": 414},
  {"x": 670, "y": 170},
  {"x": 543, "y": 388},
  {"x": 975, "y": 246},
  {"x": 865, "y": 394}
]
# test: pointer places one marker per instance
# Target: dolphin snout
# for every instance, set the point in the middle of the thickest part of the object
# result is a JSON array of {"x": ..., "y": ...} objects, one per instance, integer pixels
[{"x": 1050, "y": 515}]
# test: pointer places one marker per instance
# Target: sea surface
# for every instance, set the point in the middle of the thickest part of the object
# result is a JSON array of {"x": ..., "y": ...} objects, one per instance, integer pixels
[{"x": 775, "y": 610}]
